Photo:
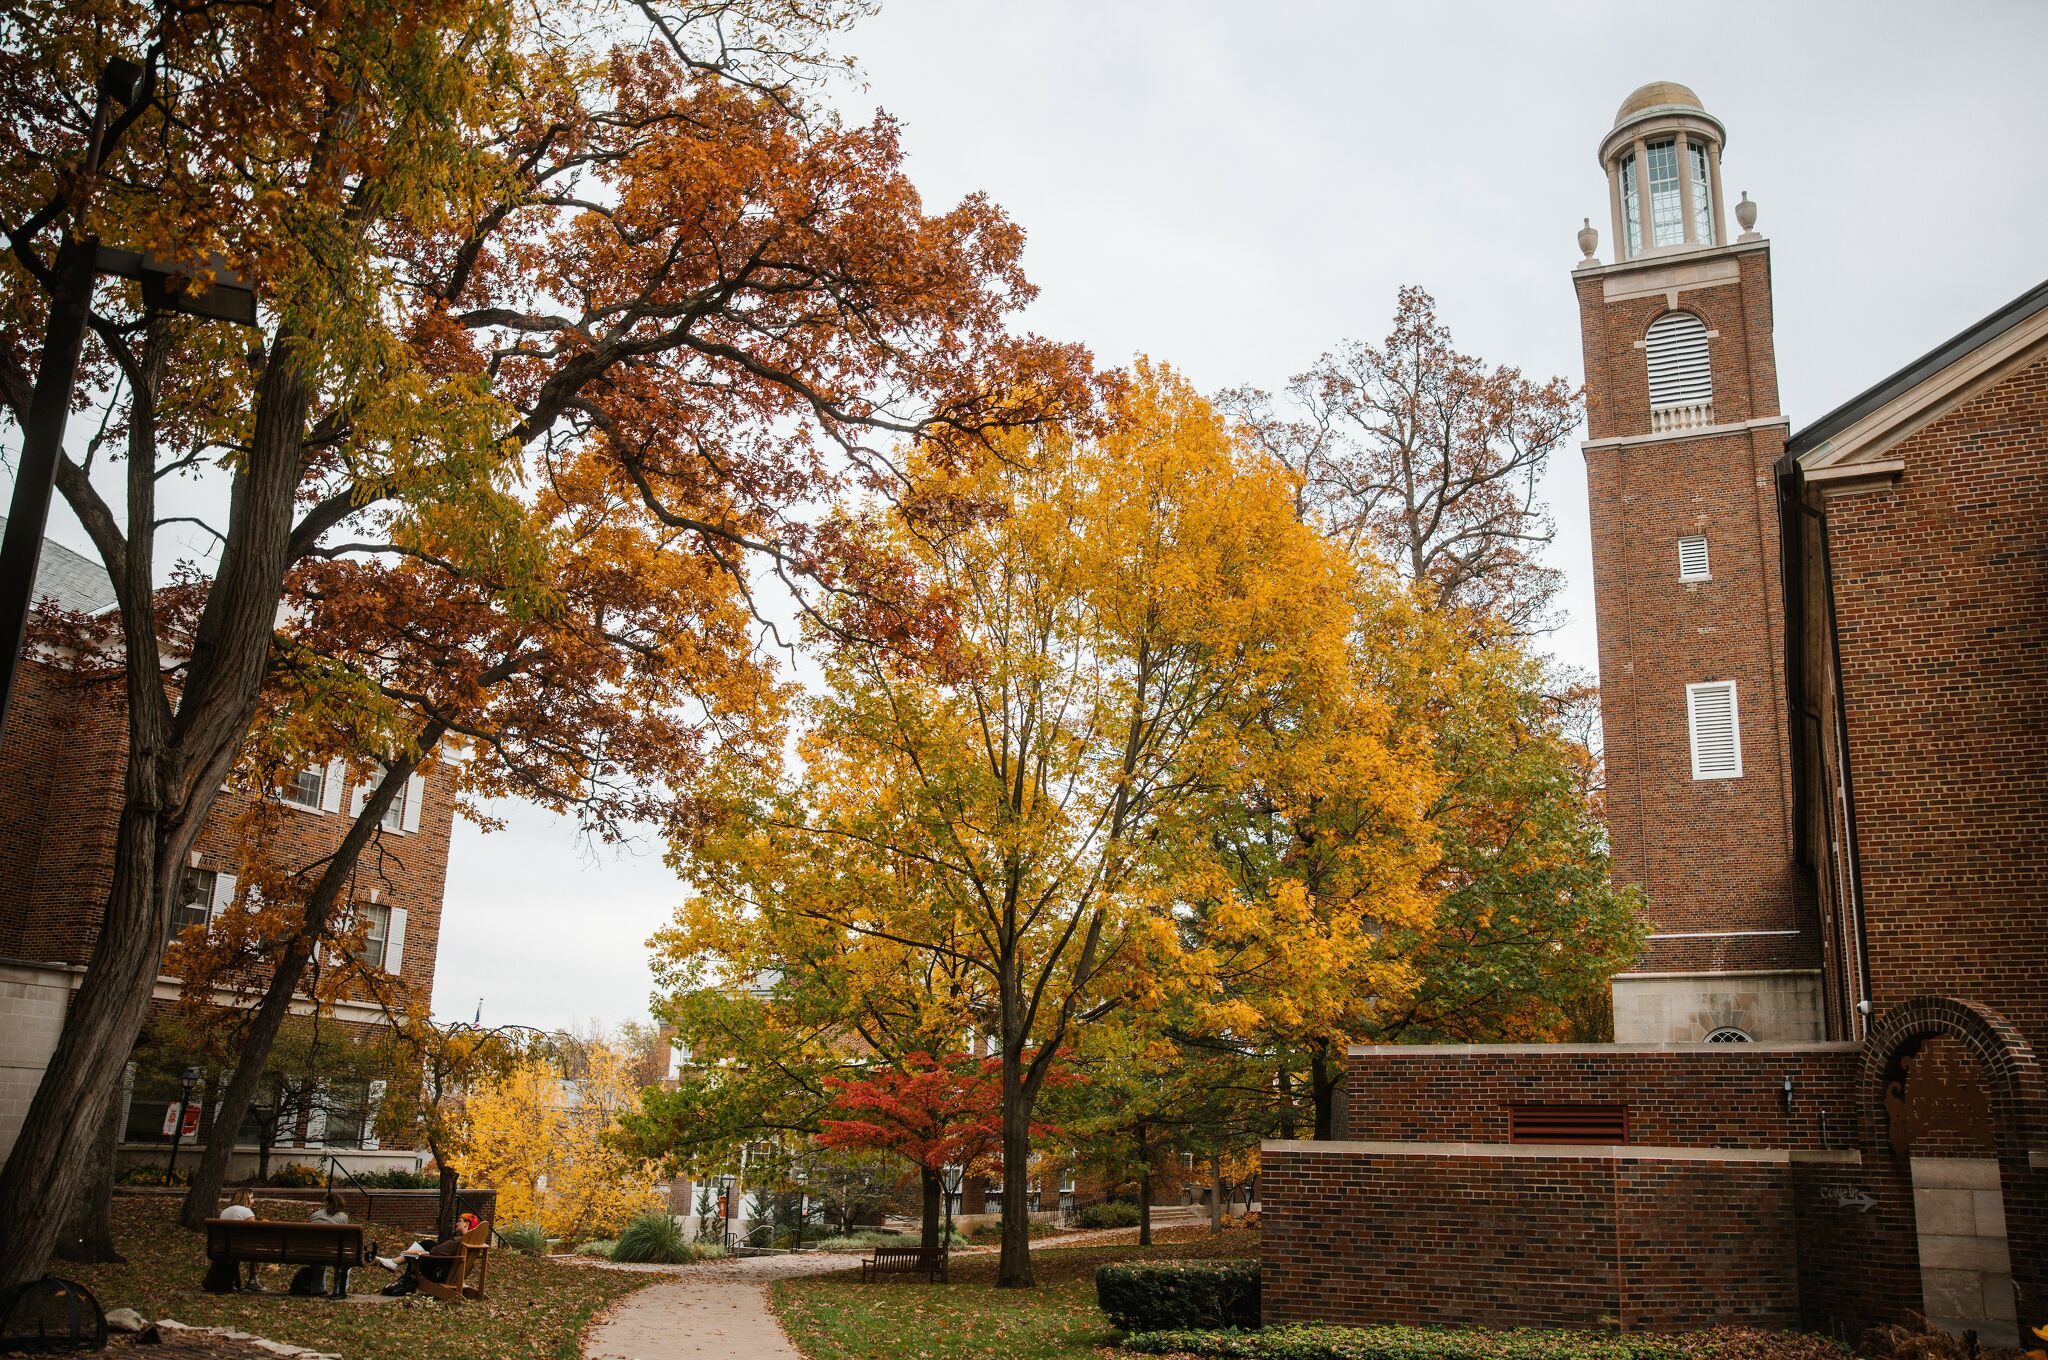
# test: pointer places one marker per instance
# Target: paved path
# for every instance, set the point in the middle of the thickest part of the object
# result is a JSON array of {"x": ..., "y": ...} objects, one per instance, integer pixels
[
  {"x": 713, "y": 1309},
  {"x": 720, "y": 1308}
]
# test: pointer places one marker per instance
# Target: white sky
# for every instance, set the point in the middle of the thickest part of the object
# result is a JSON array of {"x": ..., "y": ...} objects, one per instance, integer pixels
[{"x": 1234, "y": 189}]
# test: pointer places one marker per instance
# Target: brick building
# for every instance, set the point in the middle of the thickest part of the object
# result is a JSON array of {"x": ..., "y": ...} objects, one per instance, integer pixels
[
  {"x": 60, "y": 791},
  {"x": 1824, "y": 683}
]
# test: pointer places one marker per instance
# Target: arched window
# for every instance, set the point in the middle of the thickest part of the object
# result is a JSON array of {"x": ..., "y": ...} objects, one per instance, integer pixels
[
  {"x": 1680, "y": 378},
  {"x": 1728, "y": 1034}
]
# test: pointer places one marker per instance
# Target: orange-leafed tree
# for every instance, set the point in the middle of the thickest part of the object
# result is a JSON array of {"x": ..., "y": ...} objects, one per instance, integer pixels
[
  {"x": 486, "y": 246},
  {"x": 933, "y": 1113}
]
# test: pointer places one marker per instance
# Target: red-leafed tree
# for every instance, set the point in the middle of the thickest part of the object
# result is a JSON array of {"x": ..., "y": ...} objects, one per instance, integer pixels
[{"x": 933, "y": 1113}]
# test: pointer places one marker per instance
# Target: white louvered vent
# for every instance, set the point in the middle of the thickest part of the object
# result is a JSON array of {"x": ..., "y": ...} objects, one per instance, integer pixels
[
  {"x": 1692, "y": 560},
  {"x": 1716, "y": 743},
  {"x": 1676, "y": 348}
]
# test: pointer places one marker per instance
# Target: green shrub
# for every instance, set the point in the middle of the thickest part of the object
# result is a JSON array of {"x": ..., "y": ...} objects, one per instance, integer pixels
[
  {"x": 396, "y": 1178},
  {"x": 1314, "y": 1342},
  {"x": 653, "y": 1236},
  {"x": 861, "y": 1241},
  {"x": 1117, "y": 1213},
  {"x": 150, "y": 1175},
  {"x": 525, "y": 1238},
  {"x": 1154, "y": 1296},
  {"x": 295, "y": 1175},
  {"x": 602, "y": 1247}
]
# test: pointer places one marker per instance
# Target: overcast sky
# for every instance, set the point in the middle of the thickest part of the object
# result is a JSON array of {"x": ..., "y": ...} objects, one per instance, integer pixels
[{"x": 1235, "y": 188}]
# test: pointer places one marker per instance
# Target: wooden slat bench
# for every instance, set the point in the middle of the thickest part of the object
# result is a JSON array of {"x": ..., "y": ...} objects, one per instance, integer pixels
[
  {"x": 338, "y": 1246},
  {"x": 475, "y": 1254},
  {"x": 929, "y": 1262}
]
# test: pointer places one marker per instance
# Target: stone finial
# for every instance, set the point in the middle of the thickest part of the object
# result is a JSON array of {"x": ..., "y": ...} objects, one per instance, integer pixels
[
  {"x": 1589, "y": 239},
  {"x": 1745, "y": 213}
]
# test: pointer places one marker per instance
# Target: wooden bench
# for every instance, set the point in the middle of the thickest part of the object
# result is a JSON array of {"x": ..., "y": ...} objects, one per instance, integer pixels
[
  {"x": 338, "y": 1246},
  {"x": 476, "y": 1250},
  {"x": 929, "y": 1262}
]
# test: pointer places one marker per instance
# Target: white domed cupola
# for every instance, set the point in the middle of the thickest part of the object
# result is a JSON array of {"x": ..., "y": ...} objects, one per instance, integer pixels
[{"x": 1663, "y": 163}]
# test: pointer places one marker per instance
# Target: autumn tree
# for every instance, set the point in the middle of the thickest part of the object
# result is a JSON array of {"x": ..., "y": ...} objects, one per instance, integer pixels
[
  {"x": 1126, "y": 606},
  {"x": 545, "y": 1143},
  {"x": 1428, "y": 459},
  {"x": 930, "y": 1112},
  {"x": 433, "y": 1067},
  {"x": 487, "y": 247}
]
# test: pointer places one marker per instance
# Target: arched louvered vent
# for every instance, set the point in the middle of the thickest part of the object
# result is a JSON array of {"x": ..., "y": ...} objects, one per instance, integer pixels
[{"x": 1681, "y": 381}]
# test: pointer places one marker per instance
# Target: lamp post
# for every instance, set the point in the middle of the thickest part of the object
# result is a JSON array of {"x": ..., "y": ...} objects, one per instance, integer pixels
[
  {"x": 80, "y": 261},
  {"x": 187, "y": 1081}
]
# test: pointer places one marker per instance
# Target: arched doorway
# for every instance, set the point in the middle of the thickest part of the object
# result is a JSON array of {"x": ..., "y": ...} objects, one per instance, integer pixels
[{"x": 1953, "y": 1106}]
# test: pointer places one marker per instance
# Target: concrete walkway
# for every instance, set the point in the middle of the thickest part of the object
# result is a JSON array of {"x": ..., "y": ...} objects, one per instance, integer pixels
[
  {"x": 720, "y": 1308},
  {"x": 713, "y": 1309}
]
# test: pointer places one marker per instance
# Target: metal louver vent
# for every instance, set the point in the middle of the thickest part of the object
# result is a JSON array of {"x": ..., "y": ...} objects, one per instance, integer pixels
[
  {"x": 1586, "y": 1124},
  {"x": 1676, "y": 348},
  {"x": 1692, "y": 560},
  {"x": 1716, "y": 742}
]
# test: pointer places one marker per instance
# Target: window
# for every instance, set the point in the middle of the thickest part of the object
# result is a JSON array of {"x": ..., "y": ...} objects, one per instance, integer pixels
[
  {"x": 1586, "y": 1124},
  {"x": 1728, "y": 1034},
  {"x": 1675, "y": 347},
  {"x": 1631, "y": 207},
  {"x": 1716, "y": 741},
  {"x": 306, "y": 788},
  {"x": 195, "y": 901},
  {"x": 1702, "y": 196},
  {"x": 1692, "y": 559},
  {"x": 403, "y": 813},
  {"x": 394, "y": 816},
  {"x": 377, "y": 939},
  {"x": 1667, "y": 215}
]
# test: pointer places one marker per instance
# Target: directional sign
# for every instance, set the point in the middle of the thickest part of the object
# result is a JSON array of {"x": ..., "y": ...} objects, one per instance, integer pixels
[{"x": 1848, "y": 1197}]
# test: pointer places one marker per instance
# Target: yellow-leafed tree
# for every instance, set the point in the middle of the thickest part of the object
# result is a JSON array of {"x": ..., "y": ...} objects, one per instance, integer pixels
[{"x": 545, "y": 1145}]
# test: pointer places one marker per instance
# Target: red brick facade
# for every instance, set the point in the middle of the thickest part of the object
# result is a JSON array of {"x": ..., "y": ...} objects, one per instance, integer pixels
[
  {"x": 1879, "y": 594},
  {"x": 1713, "y": 855}
]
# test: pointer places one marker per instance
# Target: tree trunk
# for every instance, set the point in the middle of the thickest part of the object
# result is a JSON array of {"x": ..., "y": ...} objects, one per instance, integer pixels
[
  {"x": 88, "y": 1235},
  {"x": 1013, "y": 1269},
  {"x": 931, "y": 1180},
  {"x": 1216, "y": 1195},
  {"x": 1144, "y": 1188},
  {"x": 270, "y": 1015},
  {"x": 1325, "y": 1086},
  {"x": 444, "y": 1215},
  {"x": 56, "y": 1145}
]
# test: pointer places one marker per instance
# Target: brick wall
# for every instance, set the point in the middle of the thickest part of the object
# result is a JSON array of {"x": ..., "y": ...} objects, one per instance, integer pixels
[
  {"x": 1510, "y": 1240},
  {"x": 1941, "y": 597},
  {"x": 1712, "y": 855},
  {"x": 1712, "y": 1095},
  {"x": 60, "y": 795}
]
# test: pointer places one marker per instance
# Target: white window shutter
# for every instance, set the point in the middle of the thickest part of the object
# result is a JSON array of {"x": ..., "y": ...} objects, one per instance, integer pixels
[
  {"x": 332, "y": 785},
  {"x": 394, "y": 945},
  {"x": 415, "y": 794},
  {"x": 1692, "y": 559},
  {"x": 1716, "y": 730},
  {"x": 1676, "y": 352},
  {"x": 223, "y": 895},
  {"x": 316, "y": 1118},
  {"x": 364, "y": 788}
]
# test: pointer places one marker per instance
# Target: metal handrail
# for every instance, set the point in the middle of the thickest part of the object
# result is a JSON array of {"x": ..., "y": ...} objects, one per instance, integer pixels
[{"x": 334, "y": 1164}]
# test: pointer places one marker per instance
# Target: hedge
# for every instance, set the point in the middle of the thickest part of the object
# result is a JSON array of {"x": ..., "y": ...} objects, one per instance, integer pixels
[
  {"x": 1116, "y": 1213},
  {"x": 1316, "y": 1342},
  {"x": 1181, "y": 1294}
]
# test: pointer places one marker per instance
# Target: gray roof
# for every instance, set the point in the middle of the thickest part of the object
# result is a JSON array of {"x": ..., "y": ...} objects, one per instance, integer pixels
[
  {"x": 76, "y": 583},
  {"x": 1919, "y": 371}
]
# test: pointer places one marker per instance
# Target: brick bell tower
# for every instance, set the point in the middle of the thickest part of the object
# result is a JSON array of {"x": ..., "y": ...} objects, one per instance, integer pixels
[{"x": 1683, "y": 428}]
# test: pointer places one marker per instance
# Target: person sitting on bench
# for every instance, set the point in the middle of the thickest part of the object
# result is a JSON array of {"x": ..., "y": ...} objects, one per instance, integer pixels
[
  {"x": 312, "y": 1280},
  {"x": 432, "y": 1263},
  {"x": 242, "y": 1205}
]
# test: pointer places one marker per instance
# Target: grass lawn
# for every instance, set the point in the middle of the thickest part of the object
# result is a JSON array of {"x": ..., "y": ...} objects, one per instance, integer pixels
[
  {"x": 536, "y": 1311},
  {"x": 836, "y": 1317}
]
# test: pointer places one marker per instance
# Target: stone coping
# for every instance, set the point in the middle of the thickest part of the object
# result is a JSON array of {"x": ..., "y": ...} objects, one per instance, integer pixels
[
  {"x": 1598, "y": 1050},
  {"x": 1618, "y": 1152}
]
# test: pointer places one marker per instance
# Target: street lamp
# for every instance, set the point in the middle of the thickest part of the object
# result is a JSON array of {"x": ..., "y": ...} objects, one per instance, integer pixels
[
  {"x": 80, "y": 261},
  {"x": 187, "y": 1081}
]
